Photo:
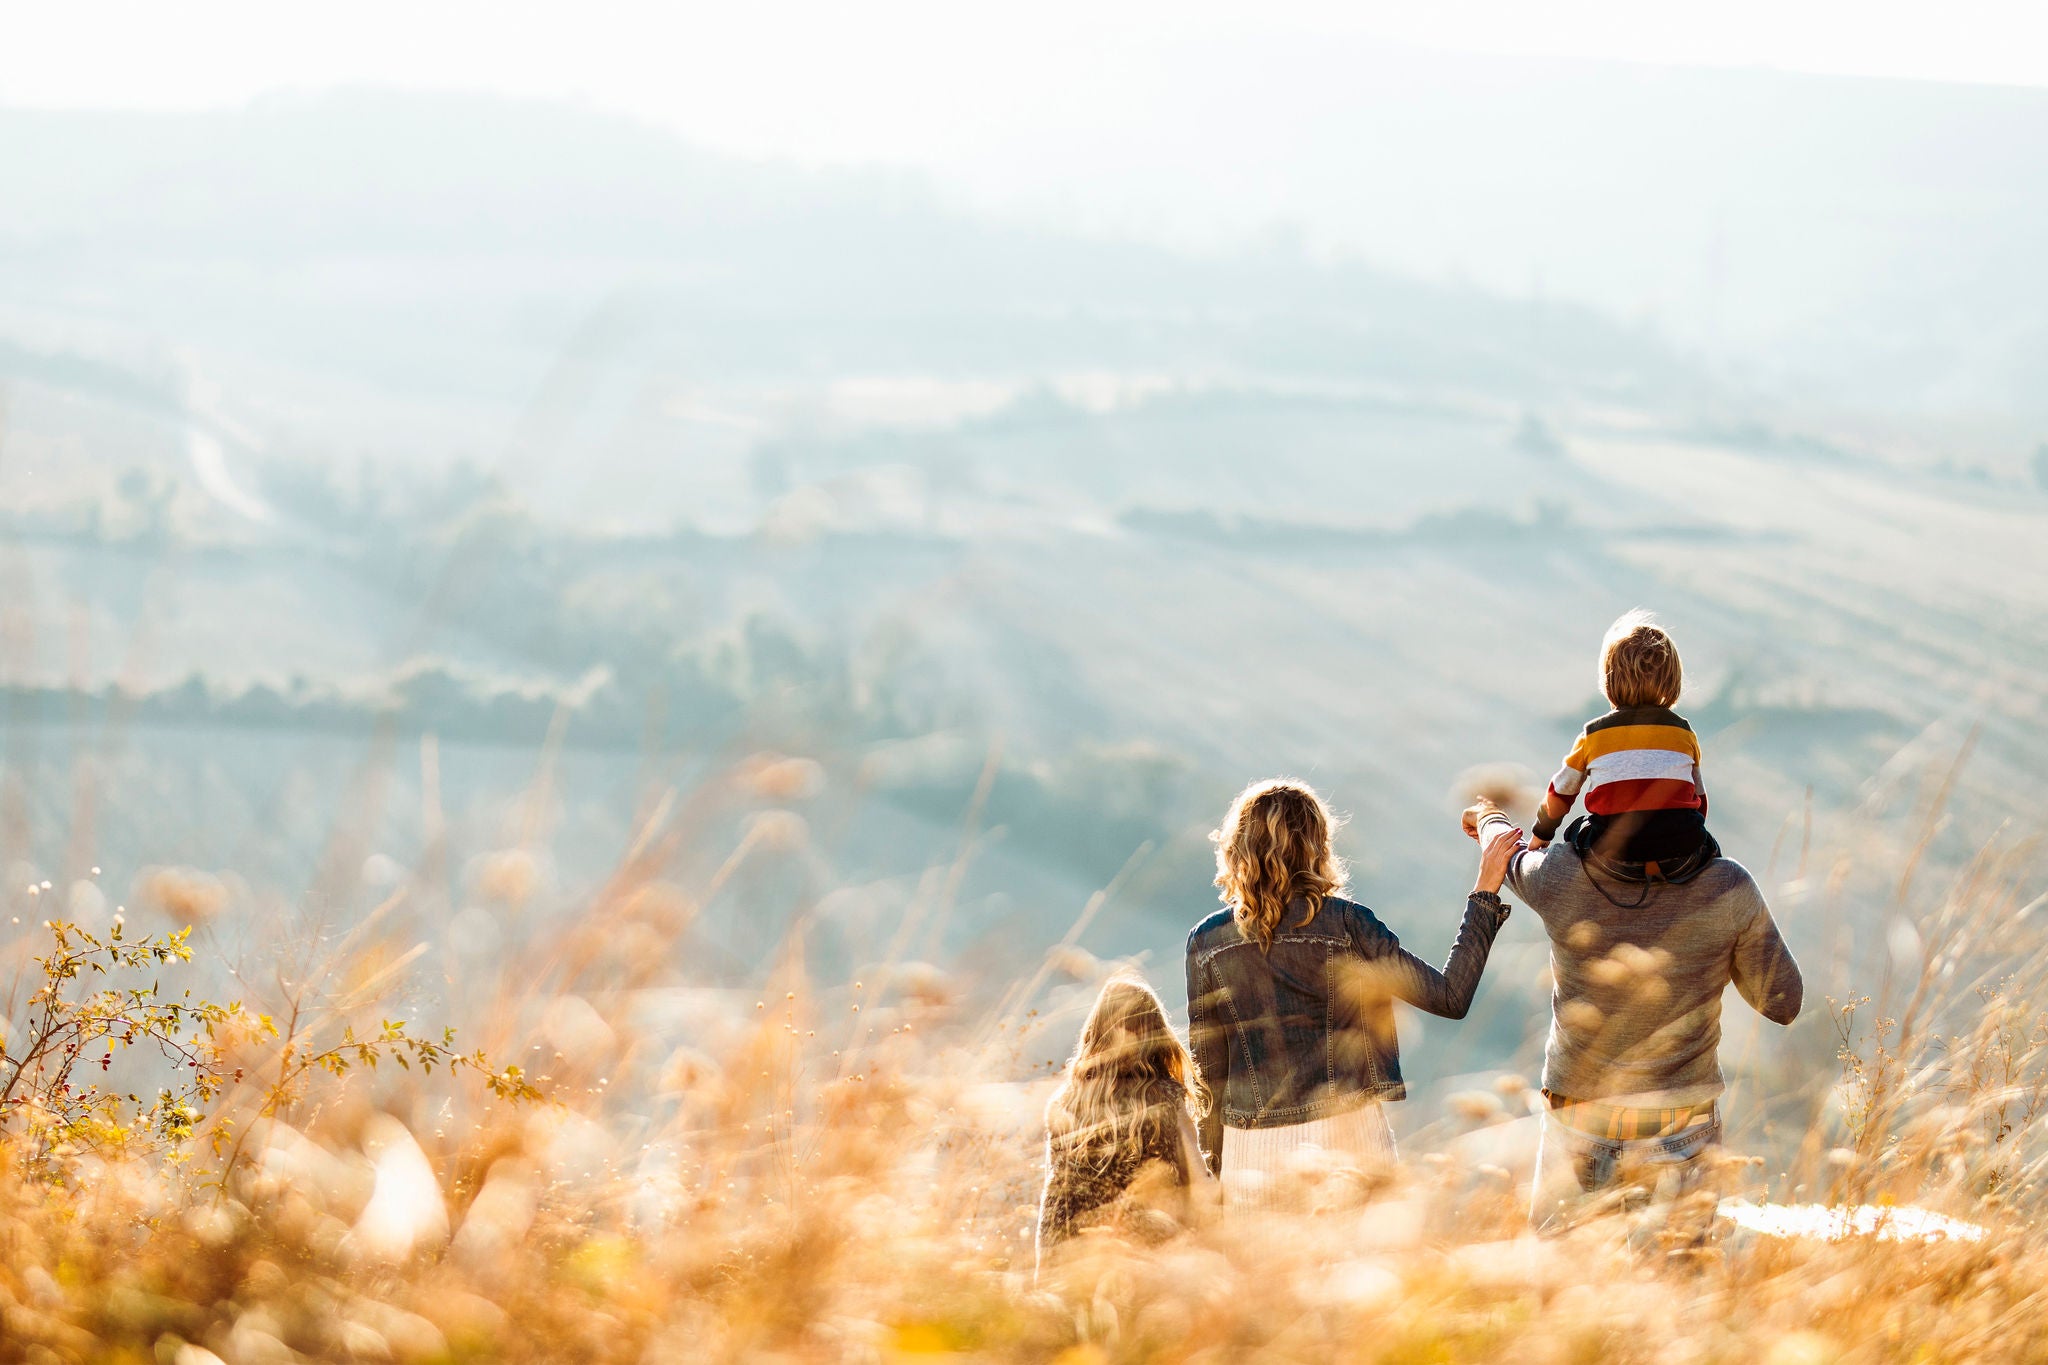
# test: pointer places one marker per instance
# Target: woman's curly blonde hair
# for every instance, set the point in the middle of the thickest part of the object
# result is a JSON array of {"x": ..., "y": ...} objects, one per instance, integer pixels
[{"x": 1274, "y": 848}]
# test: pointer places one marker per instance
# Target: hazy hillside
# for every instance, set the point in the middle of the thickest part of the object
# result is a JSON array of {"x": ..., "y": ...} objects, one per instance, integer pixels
[{"x": 1846, "y": 245}]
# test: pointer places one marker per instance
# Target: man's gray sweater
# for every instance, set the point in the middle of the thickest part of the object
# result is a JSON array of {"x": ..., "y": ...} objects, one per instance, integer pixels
[{"x": 1639, "y": 968}]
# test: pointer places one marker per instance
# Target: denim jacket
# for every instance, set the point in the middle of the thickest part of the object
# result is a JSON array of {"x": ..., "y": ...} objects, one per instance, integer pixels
[{"x": 1306, "y": 1029}]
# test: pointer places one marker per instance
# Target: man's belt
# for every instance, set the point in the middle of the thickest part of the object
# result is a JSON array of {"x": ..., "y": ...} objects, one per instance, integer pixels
[{"x": 1626, "y": 1123}]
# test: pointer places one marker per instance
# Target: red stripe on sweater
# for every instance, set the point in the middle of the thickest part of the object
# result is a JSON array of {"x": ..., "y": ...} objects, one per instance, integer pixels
[{"x": 1648, "y": 793}]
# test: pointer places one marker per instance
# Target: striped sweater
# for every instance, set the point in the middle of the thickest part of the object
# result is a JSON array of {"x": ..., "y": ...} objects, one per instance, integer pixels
[{"x": 1639, "y": 758}]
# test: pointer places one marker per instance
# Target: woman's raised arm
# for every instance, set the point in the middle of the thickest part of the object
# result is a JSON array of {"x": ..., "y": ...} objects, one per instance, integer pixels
[{"x": 1448, "y": 993}]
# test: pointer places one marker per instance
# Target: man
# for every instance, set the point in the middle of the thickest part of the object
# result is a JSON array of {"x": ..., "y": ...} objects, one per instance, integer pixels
[{"x": 1632, "y": 1070}]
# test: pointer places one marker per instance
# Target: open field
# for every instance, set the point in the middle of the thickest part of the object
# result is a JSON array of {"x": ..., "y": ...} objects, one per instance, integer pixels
[{"x": 843, "y": 1164}]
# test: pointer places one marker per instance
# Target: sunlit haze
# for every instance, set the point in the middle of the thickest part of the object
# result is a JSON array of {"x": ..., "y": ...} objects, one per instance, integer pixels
[
  {"x": 644, "y": 649},
  {"x": 1402, "y": 134}
]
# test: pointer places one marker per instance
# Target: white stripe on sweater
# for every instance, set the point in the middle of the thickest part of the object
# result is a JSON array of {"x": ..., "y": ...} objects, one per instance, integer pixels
[{"x": 1636, "y": 765}]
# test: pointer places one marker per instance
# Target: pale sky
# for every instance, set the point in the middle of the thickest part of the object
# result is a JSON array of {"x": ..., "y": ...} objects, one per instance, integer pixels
[
  {"x": 1394, "y": 131},
  {"x": 903, "y": 80}
]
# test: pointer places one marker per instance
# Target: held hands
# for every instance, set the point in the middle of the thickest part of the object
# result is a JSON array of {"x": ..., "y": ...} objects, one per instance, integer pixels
[{"x": 1502, "y": 840}]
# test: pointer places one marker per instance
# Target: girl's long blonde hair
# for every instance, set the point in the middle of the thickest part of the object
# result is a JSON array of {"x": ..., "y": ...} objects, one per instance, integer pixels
[
  {"x": 1127, "y": 1083},
  {"x": 1274, "y": 848}
]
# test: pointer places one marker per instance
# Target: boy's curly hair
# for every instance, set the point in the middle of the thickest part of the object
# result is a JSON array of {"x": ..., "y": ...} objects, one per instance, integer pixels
[{"x": 1639, "y": 663}]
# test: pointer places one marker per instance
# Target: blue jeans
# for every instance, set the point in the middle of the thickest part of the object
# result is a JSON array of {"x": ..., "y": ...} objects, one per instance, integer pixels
[{"x": 1571, "y": 1165}]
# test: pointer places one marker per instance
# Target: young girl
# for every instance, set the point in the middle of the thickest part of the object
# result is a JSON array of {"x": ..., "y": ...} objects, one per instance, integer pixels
[{"x": 1120, "y": 1146}]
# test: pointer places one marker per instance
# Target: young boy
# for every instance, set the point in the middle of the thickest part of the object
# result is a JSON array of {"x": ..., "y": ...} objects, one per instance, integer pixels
[{"x": 1638, "y": 766}]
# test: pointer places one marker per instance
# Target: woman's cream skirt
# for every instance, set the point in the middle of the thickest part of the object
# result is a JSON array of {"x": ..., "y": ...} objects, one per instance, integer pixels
[{"x": 1325, "y": 1163}]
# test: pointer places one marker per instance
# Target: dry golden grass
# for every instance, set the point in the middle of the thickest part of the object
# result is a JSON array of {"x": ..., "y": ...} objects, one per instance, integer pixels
[{"x": 848, "y": 1171}]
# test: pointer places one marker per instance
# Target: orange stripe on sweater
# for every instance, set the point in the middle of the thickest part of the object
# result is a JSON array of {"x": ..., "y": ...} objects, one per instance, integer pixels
[{"x": 1608, "y": 741}]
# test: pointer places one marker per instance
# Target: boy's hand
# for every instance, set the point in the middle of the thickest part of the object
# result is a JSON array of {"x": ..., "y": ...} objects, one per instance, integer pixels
[{"x": 1539, "y": 843}]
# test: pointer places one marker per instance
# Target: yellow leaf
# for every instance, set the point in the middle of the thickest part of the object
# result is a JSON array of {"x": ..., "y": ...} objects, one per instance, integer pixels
[{"x": 923, "y": 1339}]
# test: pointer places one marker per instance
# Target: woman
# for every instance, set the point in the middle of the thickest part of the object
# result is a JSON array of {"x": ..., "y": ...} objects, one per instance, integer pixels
[
  {"x": 1120, "y": 1146},
  {"x": 1291, "y": 991}
]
